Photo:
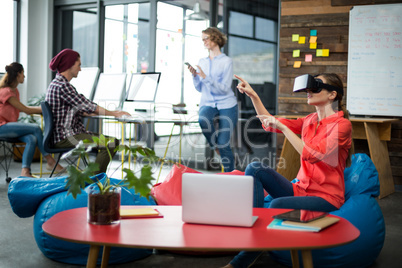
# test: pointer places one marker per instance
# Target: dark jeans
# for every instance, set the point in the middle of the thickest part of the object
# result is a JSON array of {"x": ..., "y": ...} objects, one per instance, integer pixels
[
  {"x": 102, "y": 158},
  {"x": 282, "y": 191},
  {"x": 219, "y": 138}
]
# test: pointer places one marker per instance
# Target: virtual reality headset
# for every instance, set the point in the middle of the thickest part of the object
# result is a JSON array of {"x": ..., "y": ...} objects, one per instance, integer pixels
[{"x": 308, "y": 82}]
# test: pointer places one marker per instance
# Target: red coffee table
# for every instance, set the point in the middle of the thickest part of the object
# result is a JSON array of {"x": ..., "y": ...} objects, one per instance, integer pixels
[{"x": 170, "y": 233}]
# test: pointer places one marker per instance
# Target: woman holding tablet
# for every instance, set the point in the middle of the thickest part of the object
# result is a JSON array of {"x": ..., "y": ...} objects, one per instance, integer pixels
[{"x": 213, "y": 78}]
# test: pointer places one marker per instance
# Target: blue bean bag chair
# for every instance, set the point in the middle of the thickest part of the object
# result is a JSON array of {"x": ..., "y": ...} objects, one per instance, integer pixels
[
  {"x": 362, "y": 210},
  {"x": 44, "y": 197}
]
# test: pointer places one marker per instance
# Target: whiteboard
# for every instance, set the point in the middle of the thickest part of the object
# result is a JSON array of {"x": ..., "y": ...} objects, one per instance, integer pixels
[{"x": 375, "y": 60}]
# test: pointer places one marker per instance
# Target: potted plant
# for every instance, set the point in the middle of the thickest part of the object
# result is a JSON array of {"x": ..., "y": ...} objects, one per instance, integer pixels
[{"x": 103, "y": 196}]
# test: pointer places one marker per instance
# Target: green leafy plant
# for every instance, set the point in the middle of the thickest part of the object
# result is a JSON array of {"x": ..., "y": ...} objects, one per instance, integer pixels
[
  {"x": 34, "y": 101},
  {"x": 77, "y": 179}
]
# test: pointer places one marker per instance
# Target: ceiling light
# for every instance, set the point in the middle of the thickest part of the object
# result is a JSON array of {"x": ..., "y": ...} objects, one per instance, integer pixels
[{"x": 198, "y": 13}]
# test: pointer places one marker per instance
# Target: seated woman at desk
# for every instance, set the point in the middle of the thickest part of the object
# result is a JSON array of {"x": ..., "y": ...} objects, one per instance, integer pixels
[
  {"x": 324, "y": 147},
  {"x": 10, "y": 108},
  {"x": 68, "y": 107},
  {"x": 213, "y": 78}
]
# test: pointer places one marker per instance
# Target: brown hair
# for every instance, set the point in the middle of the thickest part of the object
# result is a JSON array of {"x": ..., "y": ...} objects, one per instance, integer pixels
[
  {"x": 216, "y": 36},
  {"x": 337, "y": 105},
  {"x": 10, "y": 78}
]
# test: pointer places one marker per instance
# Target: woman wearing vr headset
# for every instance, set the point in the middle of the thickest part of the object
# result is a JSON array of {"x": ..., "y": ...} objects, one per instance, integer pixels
[{"x": 325, "y": 149}]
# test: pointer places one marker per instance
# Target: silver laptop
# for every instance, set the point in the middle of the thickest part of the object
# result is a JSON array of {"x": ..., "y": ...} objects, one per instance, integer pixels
[{"x": 218, "y": 199}]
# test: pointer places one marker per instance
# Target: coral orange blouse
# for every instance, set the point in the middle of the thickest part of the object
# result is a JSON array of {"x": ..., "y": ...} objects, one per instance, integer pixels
[
  {"x": 8, "y": 113},
  {"x": 323, "y": 160}
]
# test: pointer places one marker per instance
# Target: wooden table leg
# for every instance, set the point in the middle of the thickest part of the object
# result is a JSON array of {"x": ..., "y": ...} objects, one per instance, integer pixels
[
  {"x": 307, "y": 258},
  {"x": 380, "y": 157},
  {"x": 105, "y": 256},
  {"x": 93, "y": 256},
  {"x": 295, "y": 258}
]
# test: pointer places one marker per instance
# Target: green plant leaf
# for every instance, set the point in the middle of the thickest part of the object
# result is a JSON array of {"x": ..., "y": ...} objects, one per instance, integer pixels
[{"x": 76, "y": 179}]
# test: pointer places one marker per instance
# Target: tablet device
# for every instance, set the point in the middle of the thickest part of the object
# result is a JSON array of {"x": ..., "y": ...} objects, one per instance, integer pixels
[{"x": 300, "y": 215}]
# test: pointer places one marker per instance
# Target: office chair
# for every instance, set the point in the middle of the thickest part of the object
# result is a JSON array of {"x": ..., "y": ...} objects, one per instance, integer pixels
[
  {"x": 7, "y": 154},
  {"x": 48, "y": 135}
]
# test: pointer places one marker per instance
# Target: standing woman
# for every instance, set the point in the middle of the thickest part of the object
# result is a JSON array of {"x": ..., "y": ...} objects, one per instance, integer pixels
[
  {"x": 325, "y": 149},
  {"x": 10, "y": 107},
  {"x": 213, "y": 78}
]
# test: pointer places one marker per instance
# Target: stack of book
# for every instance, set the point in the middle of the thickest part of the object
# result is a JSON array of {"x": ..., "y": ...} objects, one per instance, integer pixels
[{"x": 311, "y": 226}]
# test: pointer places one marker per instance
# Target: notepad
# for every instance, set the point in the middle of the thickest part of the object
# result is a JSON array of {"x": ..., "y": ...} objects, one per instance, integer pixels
[
  {"x": 313, "y": 226},
  {"x": 139, "y": 212}
]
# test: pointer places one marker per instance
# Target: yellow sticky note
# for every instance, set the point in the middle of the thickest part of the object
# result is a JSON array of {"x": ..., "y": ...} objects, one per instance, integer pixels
[
  {"x": 296, "y": 53},
  {"x": 325, "y": 52},
  {"x": 302, "y": 40},
  {"x": 297, "y": 64},
  {"x": 313, "y": 45},
  {"x": 313, "y": 39},
  {"x": 295, "y": 37},
  {"x": 319, "y": 52},
  {"x": 308, "y": 58}
]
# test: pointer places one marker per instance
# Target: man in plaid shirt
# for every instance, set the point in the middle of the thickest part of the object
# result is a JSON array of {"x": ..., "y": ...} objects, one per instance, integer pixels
[{"x": 68, "y": 106}]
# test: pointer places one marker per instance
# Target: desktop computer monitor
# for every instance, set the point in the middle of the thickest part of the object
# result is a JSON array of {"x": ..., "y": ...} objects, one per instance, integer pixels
[
  {"x": 143, "y": 87},
  {"x": 110, "y": 90},
  {"x": 85, "y": 82}
]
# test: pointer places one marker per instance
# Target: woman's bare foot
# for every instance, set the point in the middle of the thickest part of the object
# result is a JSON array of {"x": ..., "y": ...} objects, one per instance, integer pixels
[
  {"x": 25, "y": 172},
  {"x": 51, "y": 162}
]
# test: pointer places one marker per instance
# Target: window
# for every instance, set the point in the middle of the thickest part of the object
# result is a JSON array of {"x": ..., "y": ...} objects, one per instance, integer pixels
[
  {"x": 7, "y": 45},
  {"x": 84, "y": 36},
  {"x": 256, "y": 63},
  {"x": 127, "y": 38}
]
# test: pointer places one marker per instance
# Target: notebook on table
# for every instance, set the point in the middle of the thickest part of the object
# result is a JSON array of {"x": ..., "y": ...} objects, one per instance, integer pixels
[{"x": 218, "y": 199}]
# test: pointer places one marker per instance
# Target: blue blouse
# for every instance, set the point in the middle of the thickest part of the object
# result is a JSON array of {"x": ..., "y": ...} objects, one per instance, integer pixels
[{"x": 216, "y": 88}]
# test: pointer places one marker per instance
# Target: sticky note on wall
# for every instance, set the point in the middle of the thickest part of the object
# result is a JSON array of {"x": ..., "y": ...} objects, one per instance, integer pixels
[
  {"x": 296, "y": 53},
  {"x": 325, "y": 52},
  {"x": 313, "y": 32},
  {"x": 302, "y": 39},
  {"x": 295, "y": 38},
  {"x": 313, "y": 39},
  {"x": 318, "y": 52},
  {"x": 308, "y": 58},
  {"x": 297, "y": 64},
  {"x": 313, "y": 45}
]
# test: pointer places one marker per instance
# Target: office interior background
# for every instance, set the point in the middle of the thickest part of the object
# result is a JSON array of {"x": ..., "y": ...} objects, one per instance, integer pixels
[{"x": 120, "y": 36}]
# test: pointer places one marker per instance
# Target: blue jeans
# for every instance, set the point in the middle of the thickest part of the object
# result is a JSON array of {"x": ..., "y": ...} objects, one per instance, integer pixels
[
  {"x": 31, "y": 134},
  {"x": 227, "y": 119},
  {"x": 282, "y": 191}
]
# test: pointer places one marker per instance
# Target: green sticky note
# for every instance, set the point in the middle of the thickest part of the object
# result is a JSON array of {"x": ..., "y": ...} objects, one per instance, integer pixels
[
  {"x": 302, "y": 40},
  {"x": 313, "y": 32},
  {"x": 296, "y": 53},
  {"x": 295, "y": 38},
  {"x": 319, "y": 52}
]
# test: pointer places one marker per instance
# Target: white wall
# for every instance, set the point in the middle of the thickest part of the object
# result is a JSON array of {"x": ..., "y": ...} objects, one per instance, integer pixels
[{"x": 36, "y": 39}]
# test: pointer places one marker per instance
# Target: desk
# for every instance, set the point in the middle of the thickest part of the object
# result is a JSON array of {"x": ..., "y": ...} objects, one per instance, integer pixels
[
  {"x": 377, "y": 131},
  {"x": 170, "y": 233},
  {"x": 175, "y": 119}
]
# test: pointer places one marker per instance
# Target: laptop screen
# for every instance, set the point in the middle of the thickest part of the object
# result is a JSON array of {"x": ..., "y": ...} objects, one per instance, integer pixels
[{"x": 143, "y": 87}]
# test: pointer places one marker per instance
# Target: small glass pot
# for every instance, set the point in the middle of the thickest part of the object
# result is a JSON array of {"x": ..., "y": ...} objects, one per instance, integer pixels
[{"x": 103, "y": 208}]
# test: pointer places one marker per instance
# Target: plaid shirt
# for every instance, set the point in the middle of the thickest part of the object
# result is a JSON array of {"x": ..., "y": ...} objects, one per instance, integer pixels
[{"x": 67, "y": 106}]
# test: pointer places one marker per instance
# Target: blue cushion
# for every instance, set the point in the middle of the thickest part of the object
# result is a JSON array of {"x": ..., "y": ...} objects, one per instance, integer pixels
[
  {"x": 48, "y": 197},
  {"x": 362, "y": 210}
]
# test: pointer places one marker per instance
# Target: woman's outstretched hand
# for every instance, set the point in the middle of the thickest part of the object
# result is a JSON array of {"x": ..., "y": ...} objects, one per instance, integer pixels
[
  {"x": 244, "y": 87},
  {"x": 270, "y": 121}
]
